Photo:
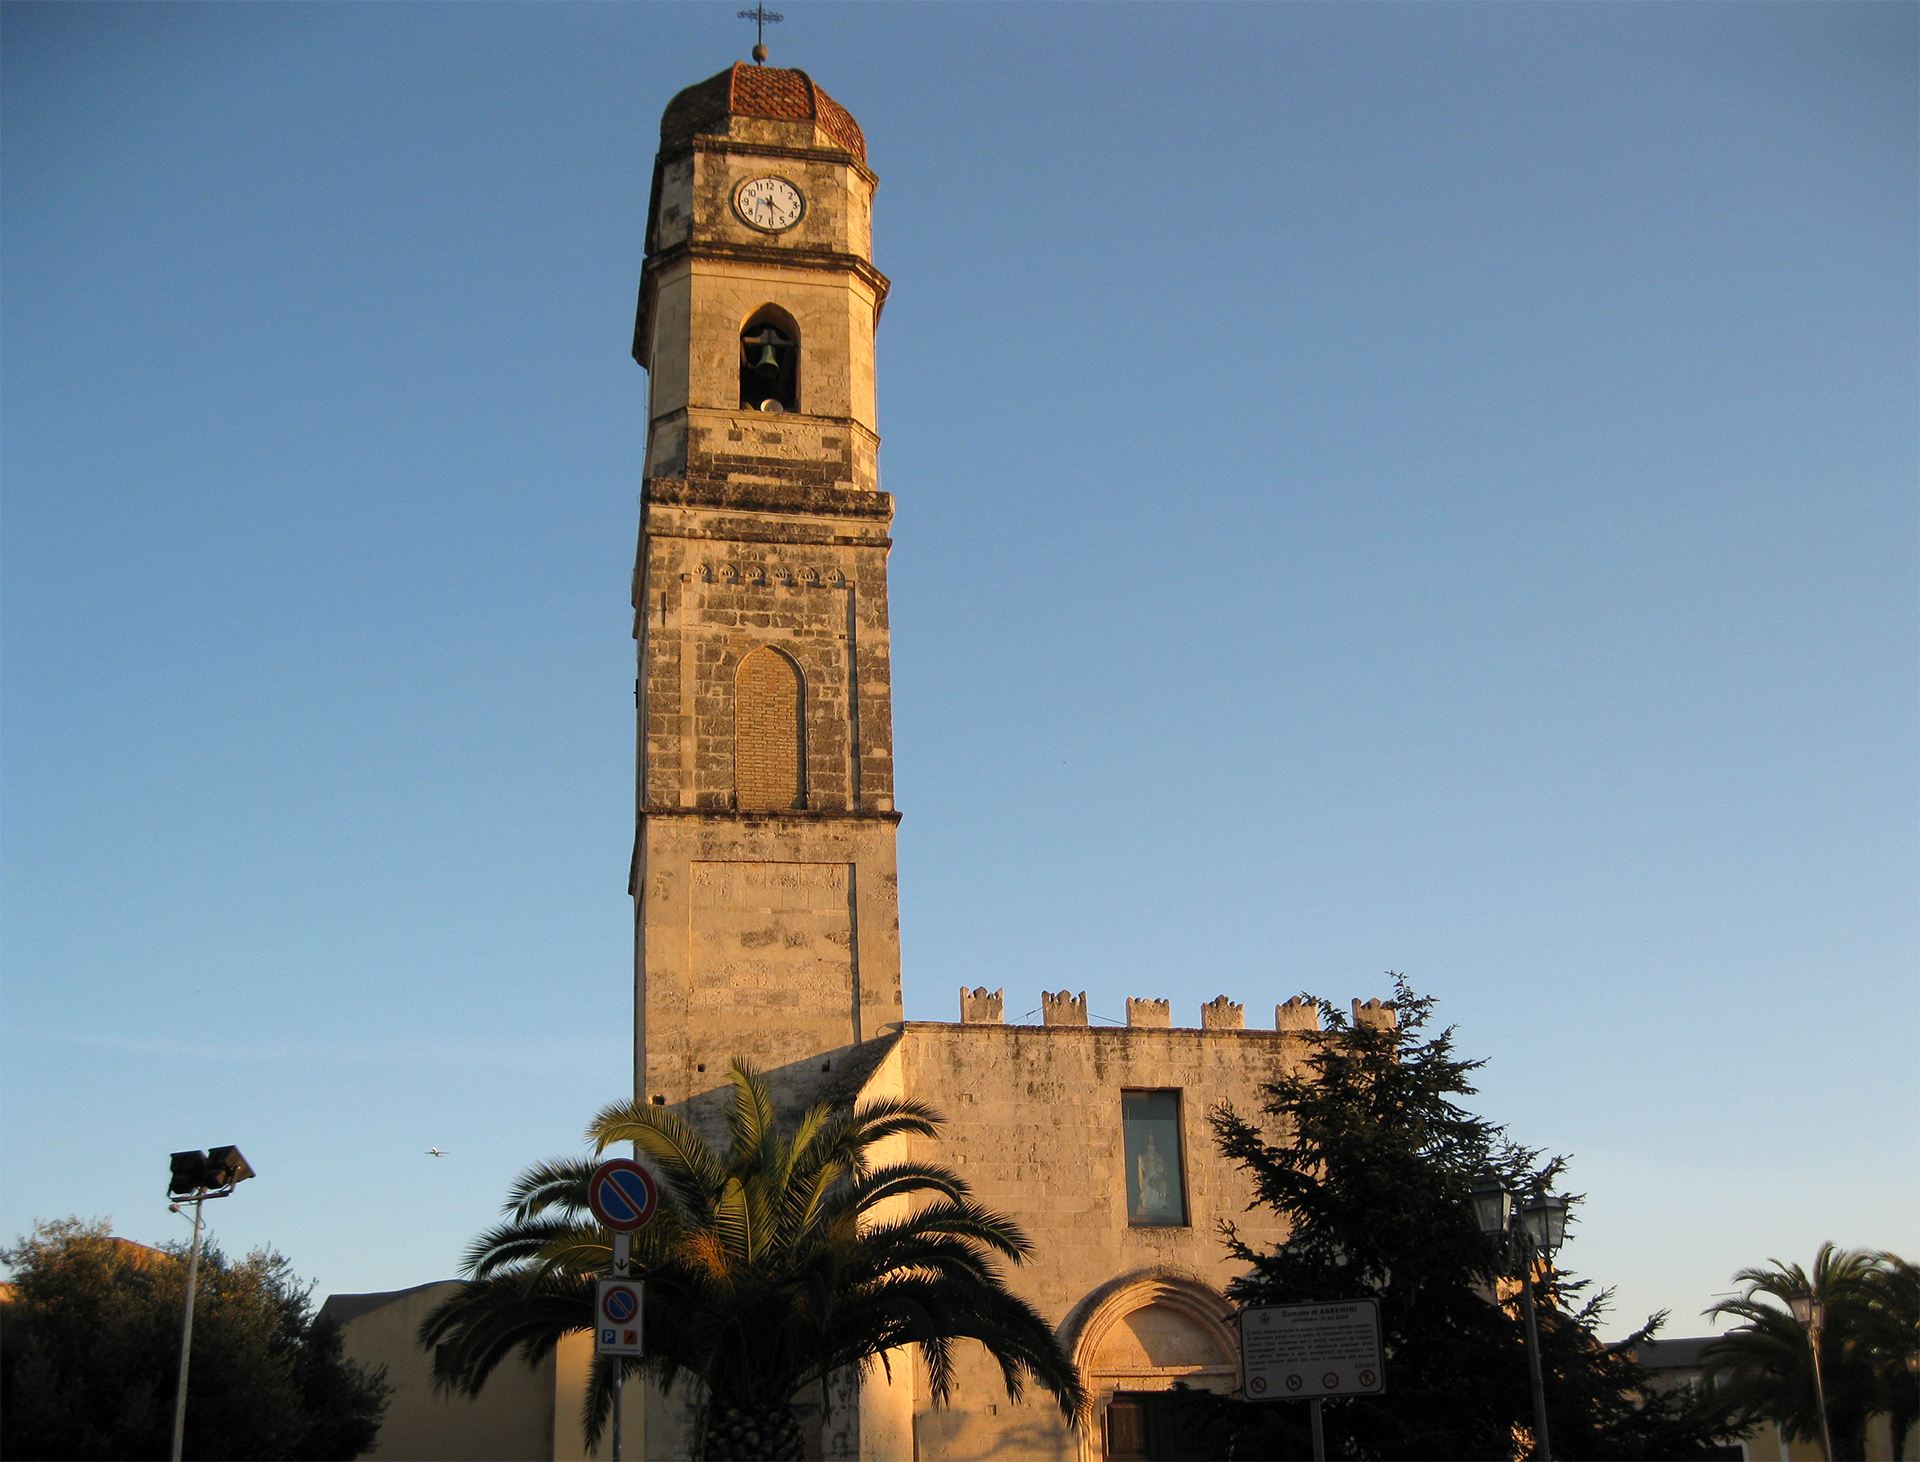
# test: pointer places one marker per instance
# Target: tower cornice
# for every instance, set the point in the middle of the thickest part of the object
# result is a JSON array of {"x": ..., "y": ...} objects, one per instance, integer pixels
[
  {"x": 835, "y": 155},
  {"x": 768, "y": 497},
  {"x": 733, "y": 818}
]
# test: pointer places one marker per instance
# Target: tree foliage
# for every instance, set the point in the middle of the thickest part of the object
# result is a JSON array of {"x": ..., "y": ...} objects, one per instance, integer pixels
[
  {"x": 768, "y": 1267},
  {"x": 1367, "y": 1152},
  {"x": 1763, "y": 1368},
  {"x": 90, "y": 1349}
]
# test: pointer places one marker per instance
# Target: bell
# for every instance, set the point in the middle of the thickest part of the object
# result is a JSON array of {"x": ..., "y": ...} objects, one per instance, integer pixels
[{"x": 768, "y": 364}]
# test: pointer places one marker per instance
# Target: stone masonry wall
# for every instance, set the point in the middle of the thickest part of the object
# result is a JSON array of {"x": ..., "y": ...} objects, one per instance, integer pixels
[
  {"x": 775, "y": 938},
  {"x": 709, "y": 595},
  {"x": 1034, "y": 1126}
]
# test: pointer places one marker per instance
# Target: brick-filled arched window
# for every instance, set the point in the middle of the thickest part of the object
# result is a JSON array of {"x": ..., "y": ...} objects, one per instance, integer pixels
[{"x": 769, "y": 733}]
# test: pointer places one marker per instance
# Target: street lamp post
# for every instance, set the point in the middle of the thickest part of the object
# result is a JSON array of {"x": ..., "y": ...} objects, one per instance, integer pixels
[
  {"x": 196, "y": 1177},
  {"x": 1540, "y": 1228},
  {"x": 1811, "y": 1314}
]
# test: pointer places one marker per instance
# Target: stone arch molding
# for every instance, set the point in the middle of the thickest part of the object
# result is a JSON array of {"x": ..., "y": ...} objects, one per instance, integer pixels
[
  {"x": 1145, "y": 1331},
  {"x": 772, "y": 313},
  {"x": 768, "y": 576}
]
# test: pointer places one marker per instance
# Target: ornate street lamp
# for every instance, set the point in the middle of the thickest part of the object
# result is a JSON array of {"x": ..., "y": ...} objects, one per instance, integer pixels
[
  {"x": 1492, "y": 1204},
  {"x": 196, "y": 1177},
  {"x": 1810, "y": 1312},
  {"x": 1535, "y": 1231},
  {"x": 1545, "y": 1216}
]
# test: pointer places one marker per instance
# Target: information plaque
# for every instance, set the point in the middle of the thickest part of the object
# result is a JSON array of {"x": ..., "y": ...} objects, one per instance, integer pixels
[{"x": 1303, "y": 1352}]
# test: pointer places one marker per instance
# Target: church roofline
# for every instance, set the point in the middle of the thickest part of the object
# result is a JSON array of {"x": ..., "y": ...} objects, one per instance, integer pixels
[
  {"x": 778, "y": 93},
  {"x": 1131, "y": 1032}
]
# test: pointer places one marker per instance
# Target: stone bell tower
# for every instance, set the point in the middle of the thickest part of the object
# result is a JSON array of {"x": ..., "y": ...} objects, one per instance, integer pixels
[{"x": 766, "y": 916}]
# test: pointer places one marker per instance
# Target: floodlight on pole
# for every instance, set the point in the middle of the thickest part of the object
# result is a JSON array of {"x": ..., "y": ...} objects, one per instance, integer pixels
[
  {"x": 194, "y": 1177},
  {"x": 189, "y": 1173}
]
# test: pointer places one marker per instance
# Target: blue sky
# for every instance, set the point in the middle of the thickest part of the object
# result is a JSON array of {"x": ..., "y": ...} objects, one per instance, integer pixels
[{"x": 1421, "y": 488}]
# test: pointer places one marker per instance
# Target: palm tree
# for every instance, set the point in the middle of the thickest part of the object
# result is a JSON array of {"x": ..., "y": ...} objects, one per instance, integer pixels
[
  {"x": 1890, "y": 1334},
  {"x": 1764, "y": 1368},
  {"x": 767, "y": 1268}
]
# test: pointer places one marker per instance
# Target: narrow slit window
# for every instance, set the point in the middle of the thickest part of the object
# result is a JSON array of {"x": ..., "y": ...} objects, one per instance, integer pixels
[{"x": 1156, "y": 1184}]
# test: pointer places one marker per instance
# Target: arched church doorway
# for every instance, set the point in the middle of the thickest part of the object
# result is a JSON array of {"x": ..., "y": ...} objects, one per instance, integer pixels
[{"x": 1139, "y": 1340}]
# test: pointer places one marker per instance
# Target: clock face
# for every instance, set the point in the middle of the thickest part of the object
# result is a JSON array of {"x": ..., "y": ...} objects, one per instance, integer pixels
[{"x": 769, "y": 204}]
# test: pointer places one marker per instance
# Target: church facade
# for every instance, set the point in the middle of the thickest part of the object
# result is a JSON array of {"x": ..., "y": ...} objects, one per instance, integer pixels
[
  {"x": 765, "y": 886},
  {"x": 766, "y": 893}
]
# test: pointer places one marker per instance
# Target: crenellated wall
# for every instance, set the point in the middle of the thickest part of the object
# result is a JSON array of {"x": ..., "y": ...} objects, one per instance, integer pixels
[
  {"x": 1034, "y": 1124},
  {"x": 978, "y": 1007}
]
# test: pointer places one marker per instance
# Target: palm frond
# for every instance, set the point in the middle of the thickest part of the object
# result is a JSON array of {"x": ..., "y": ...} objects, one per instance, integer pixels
[
  {"x": 544, "y": 1185},
  {"x": 750, "y": 1115},
  {"x": 733, "y": 1220},
  {"x": 763, "y": 1270},
  {"x": 886, "y": 1117},
  {"x": 692, "y": 1170},
  {"x": 906, "y": 1180},
  {"x": 964, "y": 1219},
  {"x": 512, "y": 1245}
]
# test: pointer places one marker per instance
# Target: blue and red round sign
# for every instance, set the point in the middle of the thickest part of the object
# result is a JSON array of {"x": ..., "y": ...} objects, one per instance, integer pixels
[
  {"x": 620, "y": 1303},
  {"x": 622, "y": 1195}
]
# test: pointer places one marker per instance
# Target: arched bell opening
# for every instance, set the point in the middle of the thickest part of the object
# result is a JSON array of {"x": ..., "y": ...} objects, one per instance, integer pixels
[{"x": 770, "y": 361}]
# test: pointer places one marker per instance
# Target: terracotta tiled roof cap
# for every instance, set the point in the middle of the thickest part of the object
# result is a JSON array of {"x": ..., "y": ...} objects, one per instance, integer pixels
[{"x": 759, "y": 91}]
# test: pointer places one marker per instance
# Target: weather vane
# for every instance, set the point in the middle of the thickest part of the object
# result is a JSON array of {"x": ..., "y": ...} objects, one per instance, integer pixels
[{"x": 761, "y": 18}]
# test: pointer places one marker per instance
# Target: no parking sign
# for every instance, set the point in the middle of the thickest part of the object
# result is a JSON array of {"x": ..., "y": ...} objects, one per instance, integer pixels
[
  {"x": 616, "y": 1329},
  {"x": 621, "y": 1195}
]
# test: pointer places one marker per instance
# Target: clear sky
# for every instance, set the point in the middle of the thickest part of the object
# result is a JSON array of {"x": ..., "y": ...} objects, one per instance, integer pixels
[{"x": 1422, "y": 488}]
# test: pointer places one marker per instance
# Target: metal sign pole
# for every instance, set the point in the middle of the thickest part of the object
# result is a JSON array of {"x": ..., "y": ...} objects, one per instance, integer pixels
[
  {"x": 186, "y": 1337},
  {"x": 623, "y": 1197},
  {"x": 1310, "y": 1352},
  {"x": 1542, "y": 1447},
  {"x": 622, "y": 1253}
]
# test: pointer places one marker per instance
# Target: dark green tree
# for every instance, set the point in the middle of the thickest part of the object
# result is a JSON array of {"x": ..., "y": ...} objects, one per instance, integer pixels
[
  {"x": 1763, "y": 1367},
  {"x": 1890, "y": 1334},
  {"x": 90, "y": 1345},
  {"x": 769, "y": 1267},
  {"x": 1365, "y": 1149}
]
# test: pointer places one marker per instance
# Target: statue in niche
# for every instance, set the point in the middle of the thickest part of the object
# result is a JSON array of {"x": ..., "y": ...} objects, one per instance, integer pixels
[{"x": 1150, "y": 1173}]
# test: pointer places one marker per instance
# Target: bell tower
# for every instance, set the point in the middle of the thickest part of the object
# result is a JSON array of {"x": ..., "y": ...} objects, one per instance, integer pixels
[{"x": 764, "y": 880}]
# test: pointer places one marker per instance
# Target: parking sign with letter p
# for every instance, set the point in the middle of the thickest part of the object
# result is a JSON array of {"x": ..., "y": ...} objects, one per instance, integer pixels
[{"x": 617, "y": 1312}]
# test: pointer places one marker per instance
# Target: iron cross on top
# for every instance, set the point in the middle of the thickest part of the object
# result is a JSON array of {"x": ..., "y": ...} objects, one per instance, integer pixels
[{"x": 761, "y": 18}]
